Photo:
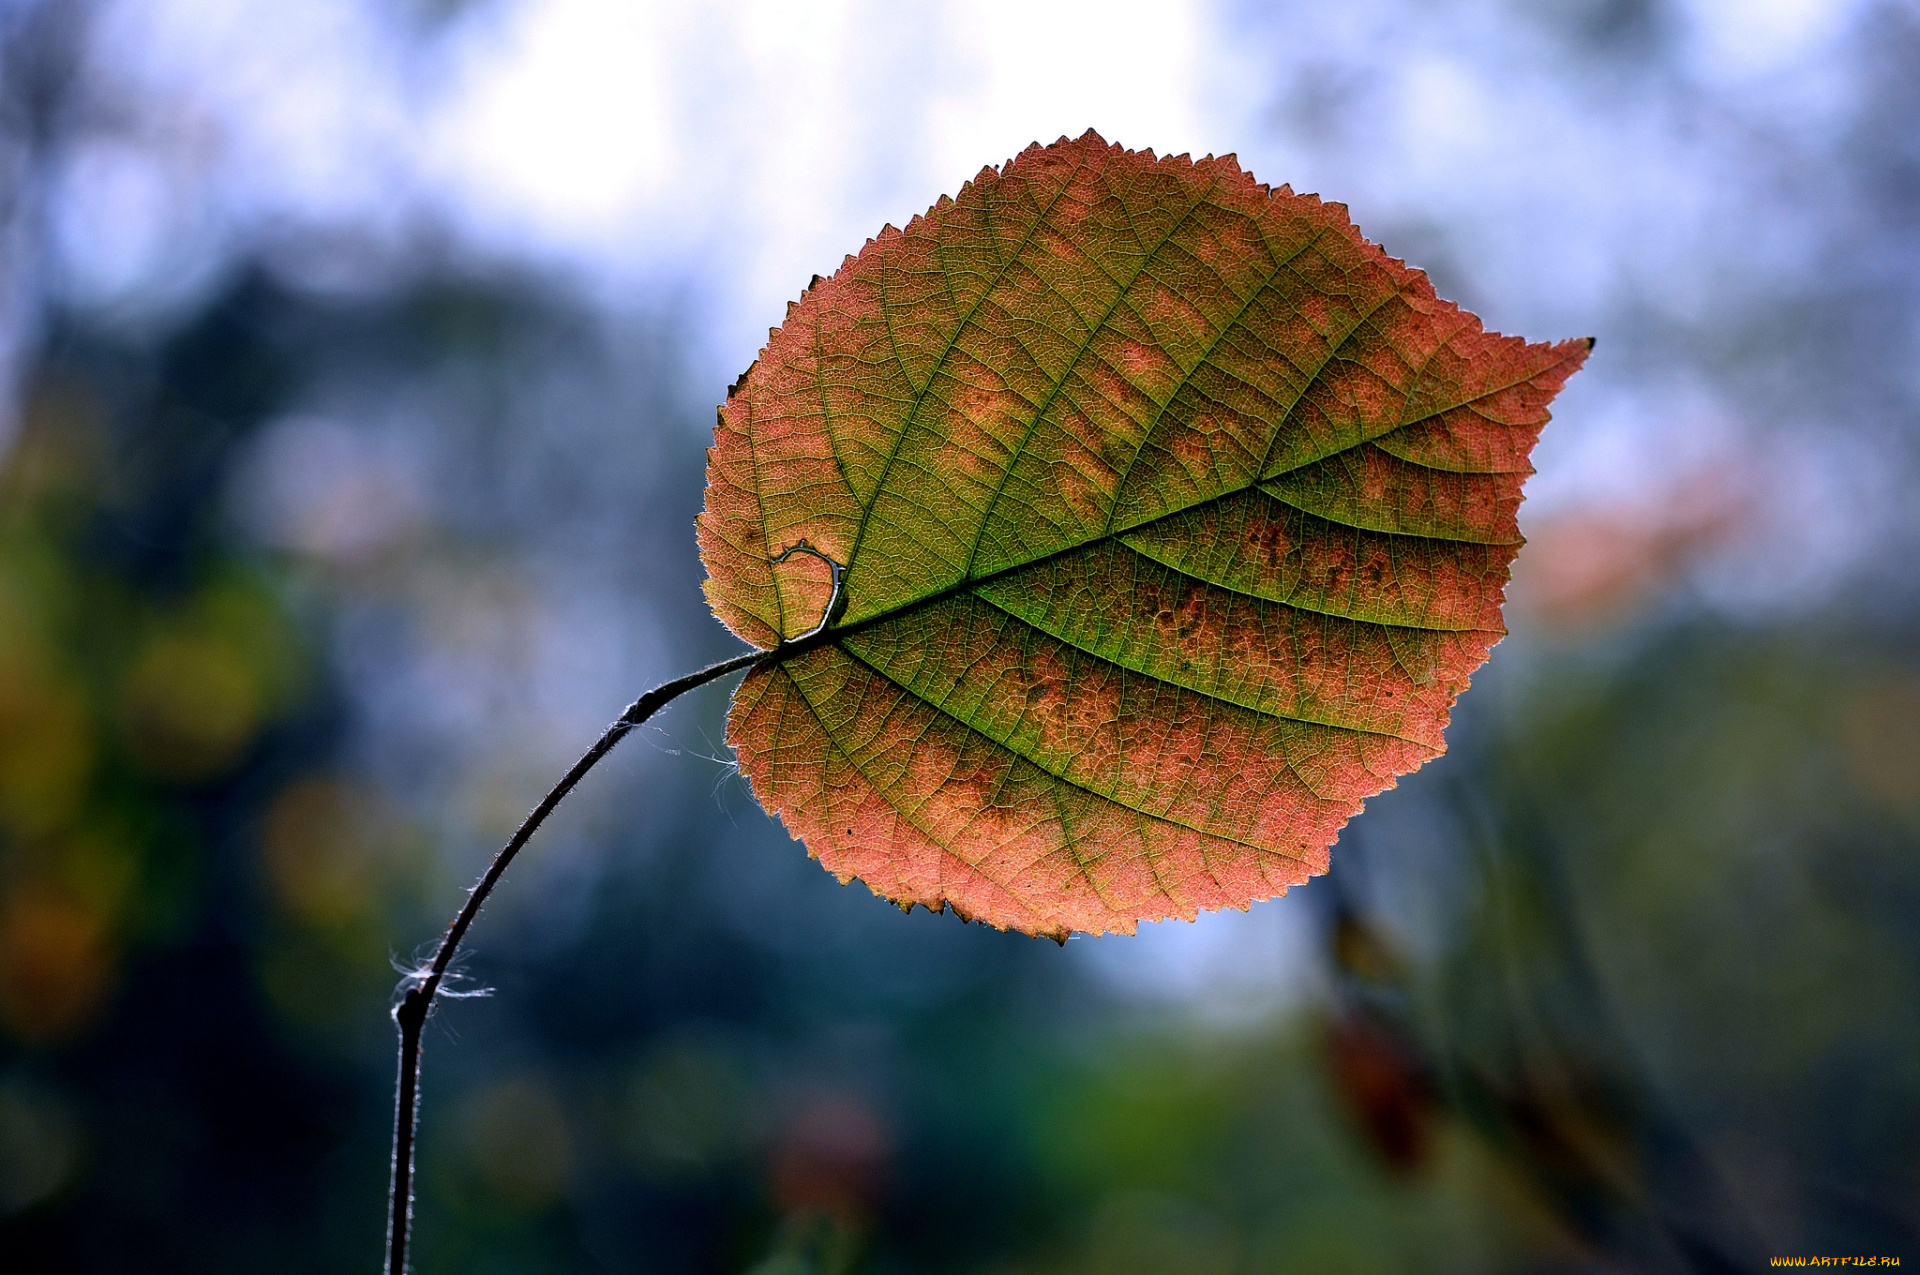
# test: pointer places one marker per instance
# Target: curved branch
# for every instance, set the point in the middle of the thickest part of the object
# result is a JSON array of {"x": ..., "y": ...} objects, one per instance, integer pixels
[{"x": 421, "y": 986}]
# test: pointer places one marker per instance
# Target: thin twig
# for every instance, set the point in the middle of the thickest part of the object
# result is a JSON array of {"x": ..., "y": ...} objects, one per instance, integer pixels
[{"x": 422, "y": 985}]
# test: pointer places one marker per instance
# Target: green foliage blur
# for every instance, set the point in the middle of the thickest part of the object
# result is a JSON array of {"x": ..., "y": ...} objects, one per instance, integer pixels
[{"x": 307, "y": 590}]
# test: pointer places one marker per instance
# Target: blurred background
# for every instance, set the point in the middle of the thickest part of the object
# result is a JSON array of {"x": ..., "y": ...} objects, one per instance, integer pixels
[{"x": 357, "y": 361}]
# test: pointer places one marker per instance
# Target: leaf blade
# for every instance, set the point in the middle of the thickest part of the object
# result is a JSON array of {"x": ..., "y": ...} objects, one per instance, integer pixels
[{"x": 1175, "y": 516}]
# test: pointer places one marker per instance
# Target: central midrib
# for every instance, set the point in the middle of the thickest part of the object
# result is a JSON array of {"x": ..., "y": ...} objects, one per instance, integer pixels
[{"x": 966, "y": 584}]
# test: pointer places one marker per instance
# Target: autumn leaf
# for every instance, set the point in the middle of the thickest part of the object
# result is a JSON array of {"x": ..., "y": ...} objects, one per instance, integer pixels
[{"x": 1173, "y": 515}]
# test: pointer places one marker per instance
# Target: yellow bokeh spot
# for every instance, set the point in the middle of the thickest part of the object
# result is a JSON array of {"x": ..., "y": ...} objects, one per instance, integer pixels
[
  {"x": 46, "y": 750},
  {"x": 203, "y": 681},
  {"x": 189, "y": 708},
  {"x": 326, "y": 846}
]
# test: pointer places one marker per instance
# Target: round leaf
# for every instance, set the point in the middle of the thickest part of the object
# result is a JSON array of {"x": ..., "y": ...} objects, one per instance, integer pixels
[{"x": 1173, "y": 516}]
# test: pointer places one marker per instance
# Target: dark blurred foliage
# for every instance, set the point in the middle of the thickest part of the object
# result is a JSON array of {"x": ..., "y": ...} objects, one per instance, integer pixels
[
  {"x": 307, "y": 590},
  {"x": 1678, "y": 996}
]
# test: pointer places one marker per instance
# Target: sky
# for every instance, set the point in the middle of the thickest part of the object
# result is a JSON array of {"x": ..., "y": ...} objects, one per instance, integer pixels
[{"x": 751, "y": 144}]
